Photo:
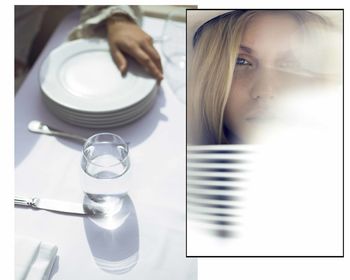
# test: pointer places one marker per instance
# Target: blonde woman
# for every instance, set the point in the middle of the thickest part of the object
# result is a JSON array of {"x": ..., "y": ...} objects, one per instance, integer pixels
[{"x": 241, "y": 61}]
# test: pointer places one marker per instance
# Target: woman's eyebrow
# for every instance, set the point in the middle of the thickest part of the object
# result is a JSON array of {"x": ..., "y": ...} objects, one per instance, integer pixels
[{"x": 246, "y": 49}]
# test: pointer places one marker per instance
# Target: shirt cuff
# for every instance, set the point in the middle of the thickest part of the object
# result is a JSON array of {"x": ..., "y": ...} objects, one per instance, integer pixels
[{"x": 94, "y": 19}]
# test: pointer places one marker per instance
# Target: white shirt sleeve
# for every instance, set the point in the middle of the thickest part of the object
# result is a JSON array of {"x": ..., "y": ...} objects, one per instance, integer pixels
[{"x": 93, "y": 19}]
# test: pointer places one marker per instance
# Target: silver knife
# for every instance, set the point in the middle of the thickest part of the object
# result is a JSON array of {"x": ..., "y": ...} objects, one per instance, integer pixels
[{"x": 51, "y": 205}]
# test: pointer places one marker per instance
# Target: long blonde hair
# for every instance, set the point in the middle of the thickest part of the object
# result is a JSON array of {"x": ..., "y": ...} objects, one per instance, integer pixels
[{"x": 215, "y": 49}]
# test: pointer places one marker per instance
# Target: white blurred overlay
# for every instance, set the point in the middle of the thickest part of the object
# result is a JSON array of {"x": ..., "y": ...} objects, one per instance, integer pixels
[{"x": 292, "y": 201}]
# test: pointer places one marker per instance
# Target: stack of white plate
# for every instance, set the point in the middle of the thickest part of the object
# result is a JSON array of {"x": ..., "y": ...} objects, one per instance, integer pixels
[{"x": 82, "y": 85}]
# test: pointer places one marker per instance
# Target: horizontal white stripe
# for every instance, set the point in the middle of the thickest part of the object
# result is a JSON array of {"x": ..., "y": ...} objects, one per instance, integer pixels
[
  {"x": 238, "y": 175},
  {"x": 244, "y": 166},
  {"x": 211, "y": 202},
  {"x": 242, "y": 148},
  {"x": 216, "y": 183},
  {"x": 214, "y": 218},
  {"x": 249, "y": 157},
  {"x": 213, "y": 192}
]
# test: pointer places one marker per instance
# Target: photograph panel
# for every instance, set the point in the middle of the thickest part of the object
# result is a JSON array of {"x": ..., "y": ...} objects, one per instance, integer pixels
[{"x": 265, "y": 132}]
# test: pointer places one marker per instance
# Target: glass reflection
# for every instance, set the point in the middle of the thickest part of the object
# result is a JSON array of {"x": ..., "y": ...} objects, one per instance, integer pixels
[{"x": 114, "y": 239}]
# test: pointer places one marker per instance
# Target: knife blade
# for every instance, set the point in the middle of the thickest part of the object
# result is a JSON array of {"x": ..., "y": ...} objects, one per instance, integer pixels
[{"x": 51, "y": 205}]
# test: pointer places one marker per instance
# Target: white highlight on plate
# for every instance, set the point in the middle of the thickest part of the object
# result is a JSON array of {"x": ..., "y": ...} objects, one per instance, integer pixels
[{"x": 92, "y": 74}]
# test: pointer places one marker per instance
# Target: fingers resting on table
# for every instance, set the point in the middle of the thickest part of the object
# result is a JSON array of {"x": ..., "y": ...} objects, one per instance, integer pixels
[{"x": 125, "y": 37}]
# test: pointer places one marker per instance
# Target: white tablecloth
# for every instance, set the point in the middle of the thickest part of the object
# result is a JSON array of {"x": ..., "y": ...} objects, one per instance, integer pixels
[{"x": 49, "y": 168}]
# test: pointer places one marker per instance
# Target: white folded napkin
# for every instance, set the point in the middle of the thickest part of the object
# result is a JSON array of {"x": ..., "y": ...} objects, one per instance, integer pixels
[{"x": 33, "y": 259}]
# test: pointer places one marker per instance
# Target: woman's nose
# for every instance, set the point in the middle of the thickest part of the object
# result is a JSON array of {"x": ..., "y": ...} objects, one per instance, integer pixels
[{"x": 264, "y": 85}]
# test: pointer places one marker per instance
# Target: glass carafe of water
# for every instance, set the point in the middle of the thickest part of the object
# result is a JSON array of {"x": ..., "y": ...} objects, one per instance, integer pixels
[{"x": 105, "y": 168}]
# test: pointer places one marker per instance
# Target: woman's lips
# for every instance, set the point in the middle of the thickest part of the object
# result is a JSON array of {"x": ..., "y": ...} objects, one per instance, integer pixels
[{"x": 260, "y": 117}]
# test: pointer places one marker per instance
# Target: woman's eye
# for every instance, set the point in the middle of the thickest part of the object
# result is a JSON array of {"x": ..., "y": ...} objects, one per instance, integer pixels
[{"x": 242, "y": 61}]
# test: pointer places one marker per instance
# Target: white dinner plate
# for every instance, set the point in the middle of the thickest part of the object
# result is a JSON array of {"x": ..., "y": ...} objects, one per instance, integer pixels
[
  {"x": 81, "y": 76},
  {"x": 113, "y": 118},
  {"x": 107, "y": 115},
  {"x": 106, "y": 124}
]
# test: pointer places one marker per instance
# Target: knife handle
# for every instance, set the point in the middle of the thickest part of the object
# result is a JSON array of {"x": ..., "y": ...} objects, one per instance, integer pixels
[{"x": 24, "y": 201}]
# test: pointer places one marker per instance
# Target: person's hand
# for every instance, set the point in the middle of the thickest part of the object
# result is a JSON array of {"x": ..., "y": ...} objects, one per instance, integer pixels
[{"x": 127, "y": 38}]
